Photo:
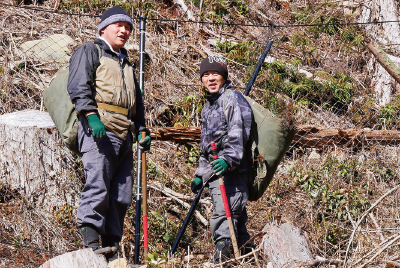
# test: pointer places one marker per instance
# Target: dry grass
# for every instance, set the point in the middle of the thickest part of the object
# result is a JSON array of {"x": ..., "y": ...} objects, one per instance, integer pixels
[{"x": 348, "y": 180}]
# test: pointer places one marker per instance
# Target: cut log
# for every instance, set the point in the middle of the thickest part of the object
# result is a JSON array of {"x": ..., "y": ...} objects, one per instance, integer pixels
[
  {"x": 312, "y": 137},
  {"x": 284, "y": 246},
  {"x": 392, "y": 264},
  {"x": 83, "y": 258},
  {"x": 86, "y": 258},
  {"x": 34, "y": 162},
  {"x": 177, "y": 134},
  {"x": 306, "y": 136}
]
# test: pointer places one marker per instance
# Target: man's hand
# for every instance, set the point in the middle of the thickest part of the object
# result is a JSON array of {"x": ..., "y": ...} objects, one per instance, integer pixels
[
  {"x": 99, "y": 130},
  {"x": 145, "y": 143},
  {"x": 196, "y": 184},
  {"x": 219, "y": 166}
]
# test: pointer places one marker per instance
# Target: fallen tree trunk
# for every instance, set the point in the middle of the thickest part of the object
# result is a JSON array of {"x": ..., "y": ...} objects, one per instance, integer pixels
[
  {"x": 306, "y": 136},
  {"x": 312, "y": 137},
  {"x": 177, "y": 134}
]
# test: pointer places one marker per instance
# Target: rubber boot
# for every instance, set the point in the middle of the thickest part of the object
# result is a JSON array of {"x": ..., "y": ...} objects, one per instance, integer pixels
[
  {"x": 91, "y": 238},
  {"x": 111, "y": 241},
  {"x": 247, "y": 248},
  {"x": 223, "y": 251}
]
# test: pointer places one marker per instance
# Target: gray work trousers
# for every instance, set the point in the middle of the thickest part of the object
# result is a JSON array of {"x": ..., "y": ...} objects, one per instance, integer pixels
[
  {"x": 107, "y": 193},
  {"x": 237, "y": 199}
]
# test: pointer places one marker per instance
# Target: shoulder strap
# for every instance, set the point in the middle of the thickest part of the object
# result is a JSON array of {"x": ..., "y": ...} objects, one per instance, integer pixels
[
  {"x": 223, "y": 101},
  {"x": 97, "y": 63},
  {"x": 98, "y": 50}
]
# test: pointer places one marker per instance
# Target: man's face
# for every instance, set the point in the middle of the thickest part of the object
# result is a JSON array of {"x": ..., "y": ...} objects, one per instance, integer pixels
[
  {"x": 116, "y": 34},
  {"x": 213, "y": 81}
]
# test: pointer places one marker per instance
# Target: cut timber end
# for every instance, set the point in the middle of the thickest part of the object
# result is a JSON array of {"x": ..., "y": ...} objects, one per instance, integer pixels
[
  {"x": 34, "y": 162},
  {"x": 83, "y": 258},
  {"x": 122, "y": 263},
  {"x": 285, "y": 246}
]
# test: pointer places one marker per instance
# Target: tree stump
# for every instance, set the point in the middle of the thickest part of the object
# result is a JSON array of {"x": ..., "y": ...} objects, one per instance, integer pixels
[
  {"x": 34, "y": 162},
  {"x": 86, "y": 258},
  {"x": 285, "y": 246},
  {"x": 83, "y": 258}
]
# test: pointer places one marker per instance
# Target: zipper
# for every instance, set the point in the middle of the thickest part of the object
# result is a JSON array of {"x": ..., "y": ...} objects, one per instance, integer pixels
[{"x": 124, "y": 84}]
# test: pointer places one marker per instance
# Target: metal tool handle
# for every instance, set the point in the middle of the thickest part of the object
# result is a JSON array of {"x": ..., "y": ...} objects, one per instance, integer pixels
[
  {"x": 258, "y": 67},
  {"x": 144, "y": 196},
  {"x": 142, "y": 30},
  {"x": 187, "y": 220},
  {"x": 138, "y": 202},
  {"x": 226, "y": 204}
]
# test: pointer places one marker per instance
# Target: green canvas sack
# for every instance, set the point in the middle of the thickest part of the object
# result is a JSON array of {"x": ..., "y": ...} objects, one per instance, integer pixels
[
  {"x": 61, "y": 109},
  {"x": 269, "y": 140}
]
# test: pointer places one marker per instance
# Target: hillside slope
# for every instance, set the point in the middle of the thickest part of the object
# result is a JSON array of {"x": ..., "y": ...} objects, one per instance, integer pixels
[{"x": 319, "y": 73}]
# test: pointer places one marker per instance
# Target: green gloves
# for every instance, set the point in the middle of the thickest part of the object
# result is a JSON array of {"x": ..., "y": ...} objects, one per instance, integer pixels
[
  {"x": 196, "y": 184},
  {"x": 98, "y": 128},
  {"x": 219, "y": 166},
  {"x": 145, "y": 143}
]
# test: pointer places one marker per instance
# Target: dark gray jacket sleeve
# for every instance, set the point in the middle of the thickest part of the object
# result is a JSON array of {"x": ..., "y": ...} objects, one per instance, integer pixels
[
  {"x": 81, "y": 76},
  {"x": 238, "y": 116},
  {"x": 204, "y": 170}
]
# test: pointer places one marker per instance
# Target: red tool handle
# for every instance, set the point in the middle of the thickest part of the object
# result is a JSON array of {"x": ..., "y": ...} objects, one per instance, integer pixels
[{"x": 226, "y": 204}]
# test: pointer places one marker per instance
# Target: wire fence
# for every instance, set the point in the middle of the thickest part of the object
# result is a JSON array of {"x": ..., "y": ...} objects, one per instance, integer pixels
[{"x": 345, "y": 129}]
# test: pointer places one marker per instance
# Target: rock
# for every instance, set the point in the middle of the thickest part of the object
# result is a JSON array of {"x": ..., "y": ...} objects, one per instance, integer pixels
[
  {"x": 284, "y": 246},
  {"x": 54, "y": 48},
  {"x": 314, "y": 155}
]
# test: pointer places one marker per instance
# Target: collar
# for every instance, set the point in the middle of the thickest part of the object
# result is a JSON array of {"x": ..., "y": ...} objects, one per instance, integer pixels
[
  {"x": 122, "y": 53},
  {"x": 109, "y": 45},
  {"x": 213, "y": 97}
]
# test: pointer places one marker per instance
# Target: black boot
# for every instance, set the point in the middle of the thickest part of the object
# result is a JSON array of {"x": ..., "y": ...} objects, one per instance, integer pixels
[
  {"x": 112, "y": 242},
  {"x": 247, "y": 248},
  {"x": 223, "y": 251},
  {"x": 91, "y": 238}
]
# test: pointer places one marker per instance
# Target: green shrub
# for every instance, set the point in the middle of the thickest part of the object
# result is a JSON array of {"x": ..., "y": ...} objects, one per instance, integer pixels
[
  {"x": 245, "y": 52},
  {"x": 390, "y": 114},
  {"x": 332, "y": 92}
]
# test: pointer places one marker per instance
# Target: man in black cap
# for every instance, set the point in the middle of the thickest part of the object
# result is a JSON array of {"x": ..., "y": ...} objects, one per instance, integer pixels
[
  {"x": 226, "y": 120},
  {"x": 103, "y": 87}
]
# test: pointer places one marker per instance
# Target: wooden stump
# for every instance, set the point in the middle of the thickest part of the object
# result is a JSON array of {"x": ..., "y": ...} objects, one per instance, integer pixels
[
  {"x": 34, "y": 162},
  {"x": 83, "y": 258},
  {"x": 285, "y": 246},
  {"x": 86, "y": 258}
]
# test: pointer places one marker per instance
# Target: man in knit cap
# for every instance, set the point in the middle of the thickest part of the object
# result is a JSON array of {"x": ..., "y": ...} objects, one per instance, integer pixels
[
  {"x": 226, "y": 118},
  {"x": 107, "y": 98}
]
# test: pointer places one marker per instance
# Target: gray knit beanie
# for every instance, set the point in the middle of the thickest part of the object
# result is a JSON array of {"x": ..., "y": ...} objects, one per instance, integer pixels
[{"x": 112, "y": 15}]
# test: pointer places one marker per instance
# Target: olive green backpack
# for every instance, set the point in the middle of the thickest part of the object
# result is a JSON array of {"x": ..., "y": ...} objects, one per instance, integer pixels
[
  {"x": 61, "y": 109},
  {"x": 269, "y": 140}
]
